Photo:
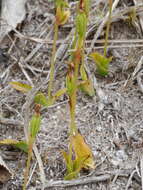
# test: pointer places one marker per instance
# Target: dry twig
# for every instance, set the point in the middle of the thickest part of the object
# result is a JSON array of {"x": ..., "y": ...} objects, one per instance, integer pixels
[
  {"x": 139, "y": 80},
  {"x": 82, "y": 181},
  {"x": 141, "y": 165},
  {"x": 10, "y": 122},
  {"x": 130, "y": 179}
]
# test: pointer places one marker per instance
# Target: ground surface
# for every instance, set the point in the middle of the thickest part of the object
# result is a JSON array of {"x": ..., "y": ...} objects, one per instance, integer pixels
[{"x": 111, "y": 122}]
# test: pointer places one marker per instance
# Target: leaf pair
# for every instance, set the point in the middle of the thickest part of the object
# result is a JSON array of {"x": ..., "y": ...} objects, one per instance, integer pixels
[
  {"x": 25, "y": 88},
  {"x": 40, "y": 98},
  {"x": 80, "y": 156},
  {"x": 62, "y": 15},
  {"x": 85, "y": 85},
  {"x": 73, "y": 166}
]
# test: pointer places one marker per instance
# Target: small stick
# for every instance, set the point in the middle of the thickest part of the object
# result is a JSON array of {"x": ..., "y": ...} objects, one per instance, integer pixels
[
  {"x": 82, "y": 181},
  {"x": 139, "y": 2},
  {"x": 25, "y": 73},
  {"x": 6, "y": 121},
  {"x": 138, "y": 67},
  {"x": 139, "y": 80},
  {"x": 141, "y": 166},
  {"x": 130, "y": 179}
]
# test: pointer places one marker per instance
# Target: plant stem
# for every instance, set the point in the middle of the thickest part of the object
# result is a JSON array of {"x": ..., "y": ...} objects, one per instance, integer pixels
[
  {"x": 77, "y": 59},
  {"x": 28, "y": 162},
  {"x": 52, "y": 68},
  {"x": 73, "y": 97},
  {"x": 108, "y": 27}
]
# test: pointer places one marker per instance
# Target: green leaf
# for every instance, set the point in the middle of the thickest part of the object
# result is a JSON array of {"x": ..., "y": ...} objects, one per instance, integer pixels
[
  {"x": 62, "y": 4},
  {"x": 60, "y": 93},
  {"x": 22, "y": 145},
  {"x": 87, "y": 87},
  {"x": 83, "y": 73},
  {"x": 70, "y": 84},
  {"x": 78, "y": 164},
  {"x": 62, "y": 16},
  {"x": 65, "y": 17},
  {"x": 68, "y": 161},
  {"x": 81, "y": 23},
  {"x": 82, "y": 154},
  {"x": 87, "y": 6},
  {"x": 73, "y": 166},
  {"x": 101, "y": 62},
  {"x": 35, "y": 125},
  {"x": 41, "y": 99},
  {"x": 71, "y": 175},
  {"x": 21, "y": 86}
]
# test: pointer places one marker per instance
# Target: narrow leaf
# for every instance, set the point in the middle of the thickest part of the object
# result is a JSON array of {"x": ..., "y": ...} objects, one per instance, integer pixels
[
  {"x": 68, "y": 161},
  {"x": 64, "y": 18},
  {"x": 71, "y": 175},
  {"x": 41, "y": 99},
  {"x": 21, "y": 86},
  {"x": 81, "y": 23},
  {"x": 59, "y": 93},
  {"x": 35, "y": 125},
  {"x": 62, "y": 4},
  {"x": 22, "y": 145},
  {"x": 83, "y": 73},
  {"x": 70, "y": 84}
]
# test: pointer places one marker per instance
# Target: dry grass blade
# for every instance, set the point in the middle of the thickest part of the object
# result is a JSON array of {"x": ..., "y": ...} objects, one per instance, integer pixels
[
  {"x": 6, "y": 121},
  {"x": 100, "y": 28},
  {"x": 138, "y": 67},
  {"x": 140, "y": 2},
  {"x": 141, "y": 167}
]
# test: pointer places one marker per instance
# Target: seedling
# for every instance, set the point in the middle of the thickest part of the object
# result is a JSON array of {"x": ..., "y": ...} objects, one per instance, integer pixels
[
  {"x": 79, "y": 156},
  {"x": 34, "y": 128},
  {"x": 132, "y": 18},
  {"x": 101, "y": 61}
]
